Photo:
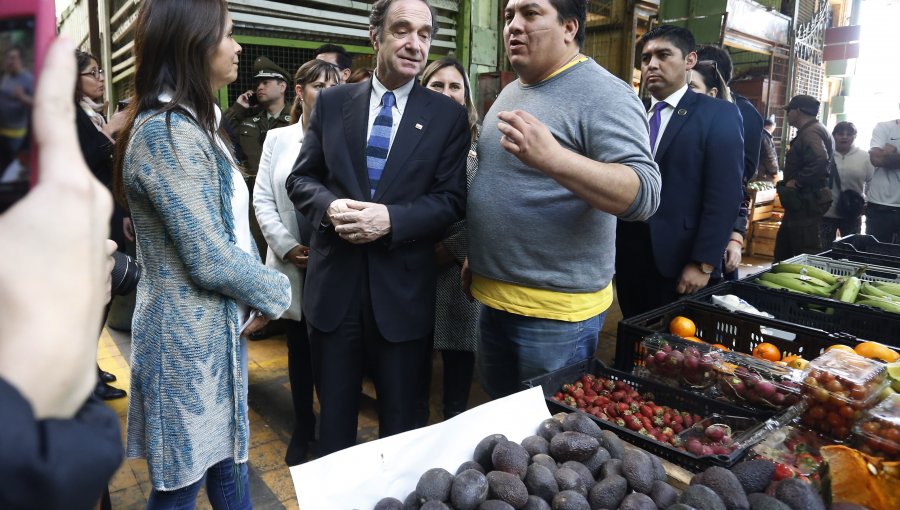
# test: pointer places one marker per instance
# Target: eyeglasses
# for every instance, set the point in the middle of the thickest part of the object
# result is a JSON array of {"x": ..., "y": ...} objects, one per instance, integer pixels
[
  {"x": 95, "y": 73},
  {"x": 714, "y": 65}
]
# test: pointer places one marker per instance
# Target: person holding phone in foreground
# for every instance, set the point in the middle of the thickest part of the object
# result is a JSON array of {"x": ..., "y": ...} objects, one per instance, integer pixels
[{"x": 58, "y": 446}]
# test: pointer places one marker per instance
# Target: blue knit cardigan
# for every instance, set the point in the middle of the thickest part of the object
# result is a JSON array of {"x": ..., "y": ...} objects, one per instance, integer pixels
[{"x": 188, "y": 409}]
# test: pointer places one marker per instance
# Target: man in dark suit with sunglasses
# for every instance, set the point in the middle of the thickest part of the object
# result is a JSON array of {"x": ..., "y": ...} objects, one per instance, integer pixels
[{"x": 697, "y": 143}]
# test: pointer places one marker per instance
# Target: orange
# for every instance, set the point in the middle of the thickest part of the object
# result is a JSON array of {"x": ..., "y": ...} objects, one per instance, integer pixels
[
  {"x": 767, "y": 351},
  {"x": 795, "y": 361},
  {"x": 682, "y": 326},
  {"x": 877, "y": 351},
  {"x": 841, "y": 347},
  {"x": 721, "y": 347},
  {"x": 694, "y": 339}
]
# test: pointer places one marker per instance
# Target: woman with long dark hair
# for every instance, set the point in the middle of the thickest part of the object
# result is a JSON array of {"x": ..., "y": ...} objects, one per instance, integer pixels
[
  {"x": 203, "y": 288},
  {"x": 287, "y": 235}
]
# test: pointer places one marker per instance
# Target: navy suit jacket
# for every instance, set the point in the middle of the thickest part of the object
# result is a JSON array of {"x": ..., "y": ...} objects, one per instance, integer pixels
[
  {"x": 700, "y": 158},
  {"x": 423, "y": 186}
]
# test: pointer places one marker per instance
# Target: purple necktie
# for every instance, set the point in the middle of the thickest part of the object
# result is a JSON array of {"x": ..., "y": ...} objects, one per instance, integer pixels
[{"x": 655, "y": 122}]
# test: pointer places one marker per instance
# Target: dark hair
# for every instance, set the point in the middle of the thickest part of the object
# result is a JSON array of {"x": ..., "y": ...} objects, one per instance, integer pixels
[
  {"x": 711, "y": 77},
  {"x": 722, "y": 58},
  {"x": 358, "y": 75},
  {"x": 344, "y": 59},
  {"x": 308, "y": 73},
  {"x": 573, "y": 9},
  {"x": 379, "y": 14},
  {"x": 769, "y": 122},
  {"x": 681, "y": 38},
  {"x": 82, "y": 60},
  {"x": 844, "y": 127},
  {"x": 443, "y": 62},
  {"x": 174, "y": 42}
]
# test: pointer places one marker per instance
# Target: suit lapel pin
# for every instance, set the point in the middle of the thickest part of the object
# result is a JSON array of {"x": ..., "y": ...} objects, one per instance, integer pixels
[
  {"x": 418, "y": 126},
  {"x": 681, "y": 111}
]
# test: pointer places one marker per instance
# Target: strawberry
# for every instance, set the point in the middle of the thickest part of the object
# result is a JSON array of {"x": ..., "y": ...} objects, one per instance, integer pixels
[
  {"x": 620, "y": 422},
  {"x": 634, "y": 424},
  {"x": 646, "y": 411},
  {"x": 782, "y": 471}
]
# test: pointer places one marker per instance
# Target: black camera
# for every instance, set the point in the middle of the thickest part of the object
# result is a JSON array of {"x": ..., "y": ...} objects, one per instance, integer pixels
[{"x": 125, "y": 274}]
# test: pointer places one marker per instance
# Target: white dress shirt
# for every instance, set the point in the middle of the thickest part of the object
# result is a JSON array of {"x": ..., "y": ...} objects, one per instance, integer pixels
[
  {"x": 401, "y": 95},
  {"x": 666, "y": 113}
]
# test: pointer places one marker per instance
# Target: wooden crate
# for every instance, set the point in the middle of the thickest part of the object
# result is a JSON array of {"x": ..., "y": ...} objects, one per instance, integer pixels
[
  {"x": 766, "y": 229},
  {"x": 761, "y": 212},
  {"x": 763, "y": 196},
  {"x": 762, "y": 247}
]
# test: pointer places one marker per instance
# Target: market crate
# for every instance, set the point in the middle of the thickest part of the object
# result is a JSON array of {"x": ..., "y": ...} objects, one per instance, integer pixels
[
  {"x": 867, "y": 249},
  {"x": 664, "y": 395},
  {"x": 737, "y": 331},
  {"x": 842, "y": 322},
  {"x": 763, "y": 196},
  {"x": 761, "y": 212}
]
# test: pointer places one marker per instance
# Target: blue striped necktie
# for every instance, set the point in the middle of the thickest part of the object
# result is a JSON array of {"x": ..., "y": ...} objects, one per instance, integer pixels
[{"x": 380, "y": 141}]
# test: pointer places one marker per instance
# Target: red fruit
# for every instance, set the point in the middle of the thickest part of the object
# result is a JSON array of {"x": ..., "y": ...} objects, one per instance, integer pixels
[
  {"x": 621, "y": 385},
  {"x": 782, "y": 471},
  {"x": 620, "y": 422},
  {"x": 634, "y": 424},
  {"x": 677, "y": 427},
  {"x": 715, "y": 432},
  {"x": 622, "y": 407},
  {"x": 668, "y": 432},
  {"x": 694, "y": 446},
  {"x": 688, "y": 421},
  {"x": 677, "y": 418},
  {"x": 646, "y": 422},
  {"x": 618, "y": 396},
  {"x": 558, "y": 396},
  {"x": 646, "y": 411},
  {"x": 578, "y": 393}
]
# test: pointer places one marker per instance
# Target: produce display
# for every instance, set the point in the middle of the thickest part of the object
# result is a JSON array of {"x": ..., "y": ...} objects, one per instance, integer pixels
[
  {"x": 619, "y": 403},
  {"x": 571, "y": 464},
  {"x": 750, "y": 380},
  {"x": 838, "y": 386},
  {"x": 795, "y": 452},
  {"x": 878, "y": 432},
  {"x": 818, "y": 282},
  {"x": 709, "y": 437},
  {"x": 689, "y": 363}
]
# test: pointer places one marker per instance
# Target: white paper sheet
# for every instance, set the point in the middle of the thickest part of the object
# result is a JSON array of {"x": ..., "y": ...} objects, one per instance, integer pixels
[{"x": 358, "y": 477}]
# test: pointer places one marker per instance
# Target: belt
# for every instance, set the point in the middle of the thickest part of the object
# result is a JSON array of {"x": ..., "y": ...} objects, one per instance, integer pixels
[{"x": 883, "y": 208}]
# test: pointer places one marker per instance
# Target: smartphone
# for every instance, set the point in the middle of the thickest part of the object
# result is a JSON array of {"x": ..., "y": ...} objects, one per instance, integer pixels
[{"x": 26, "y": 29}]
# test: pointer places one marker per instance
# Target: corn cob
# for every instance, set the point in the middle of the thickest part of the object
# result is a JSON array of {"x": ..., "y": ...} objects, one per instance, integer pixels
[
  {"x": 849, "y": 290},
  {"x": 889, "y": 287},
  {"x": 812, "y": 280},
  {"x": 808, "y": 270},
  {"x": 794, "y": 284},
  {"x": 889, "y": 306},
  {"x": 770, "y": 285},
  {"x": 871, "y": 290}
]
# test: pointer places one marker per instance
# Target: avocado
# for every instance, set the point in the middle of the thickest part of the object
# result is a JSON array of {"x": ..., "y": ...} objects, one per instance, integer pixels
[
  {"x": 611, "y": 467},
  {"x": 663, "y": 494},
  {"x": 510, "y": 457},
  {"x": 389, "y": 504},
  {"x": 596, "y": 461},
  {"x": 572, "y": 446},
  {"x": 470, "y": 464},
  {"x": 701, "y": 497},
  {"x": 658, "y": 468},
  {"x": 434, "y": 484},
  {"x": 608, "y": 493},
  {"x": 549, "y": 428},
  {"x": 540, "y": 482},
  {"x": 680, "y": 506},
  {"x": 434, "y": 505},
  {"x": 760, "y": 501},
  {"x": 638, "y": 470},
  {"x": 535, "y": 445},
  {"x": 485, "y": 448},
  {"x": 726, "y": 485},
  {"x": 569, "y": 480},
  {"x": 637, "y": 501},
  {"x": 546, "y": 461},
  {"x": 798, "y": 495},
  {"x": 754, "y": 475},
  {"x": 609, "y": 440},
  {"x": 469, "y": 489},
  {"x": 580, "y": 422},
  {"x": 495, "y": 504},
  {"x": 536, "y": 503},
  {"x": 569, "y": 500},
  {"x": 411, "y": 502},
  {"x": 507, "y": 487},
  {"x": 582, "y": 471}
]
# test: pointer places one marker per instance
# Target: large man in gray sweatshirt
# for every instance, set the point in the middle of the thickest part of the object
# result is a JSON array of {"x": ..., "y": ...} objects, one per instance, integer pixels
[{"x": 564, "y": 151}]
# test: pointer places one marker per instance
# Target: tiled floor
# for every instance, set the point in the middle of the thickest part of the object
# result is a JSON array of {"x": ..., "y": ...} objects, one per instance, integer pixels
[{"x": 271, "y": 417}]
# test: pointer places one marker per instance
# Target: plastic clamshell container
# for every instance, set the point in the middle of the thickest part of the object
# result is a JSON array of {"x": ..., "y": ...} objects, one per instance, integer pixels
[
  {"x": 838, "y": 386},
  {"x": 878, "y": 432},
  {"x": 740, "y": 429},
  {"x": 746, "y": 380},
  {"x": 691, "y": 364},
  {"x": 796, "y": 448}
]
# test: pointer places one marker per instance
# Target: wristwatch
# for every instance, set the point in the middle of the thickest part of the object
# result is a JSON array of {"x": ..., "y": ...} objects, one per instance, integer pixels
[{"x": 705, "y": 268}]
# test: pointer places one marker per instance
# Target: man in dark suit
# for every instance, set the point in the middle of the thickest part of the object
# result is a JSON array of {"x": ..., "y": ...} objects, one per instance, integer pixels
[
  {"x": 697, "y": 143},
  {"x": 378, "y": 207}
]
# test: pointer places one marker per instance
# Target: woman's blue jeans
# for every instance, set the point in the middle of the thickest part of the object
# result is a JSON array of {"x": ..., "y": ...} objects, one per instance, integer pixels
[
  {"x": 514, "y": 348},
  {"x": 220, "y": 489}
]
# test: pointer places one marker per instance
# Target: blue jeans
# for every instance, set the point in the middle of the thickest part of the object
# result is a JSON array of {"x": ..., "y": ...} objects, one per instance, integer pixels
[
  {"x": 514, "y": 348},
  {"x": 220, "y": 489}
]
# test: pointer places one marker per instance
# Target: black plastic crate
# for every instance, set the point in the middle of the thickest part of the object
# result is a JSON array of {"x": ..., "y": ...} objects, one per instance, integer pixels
[
  {"x": 736, "y": 331},
  {"x": 664, "y": 395},
  {"x": 841, "y": 322},
  {"x": 867, "y": 249}
]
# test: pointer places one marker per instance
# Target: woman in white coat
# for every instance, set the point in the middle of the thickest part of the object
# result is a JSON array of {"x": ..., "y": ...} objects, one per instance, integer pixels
[{"x": 288, "y": 240}]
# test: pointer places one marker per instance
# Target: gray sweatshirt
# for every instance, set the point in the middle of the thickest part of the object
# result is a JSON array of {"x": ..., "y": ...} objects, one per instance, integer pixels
[{"x": 527, "y": 229}]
